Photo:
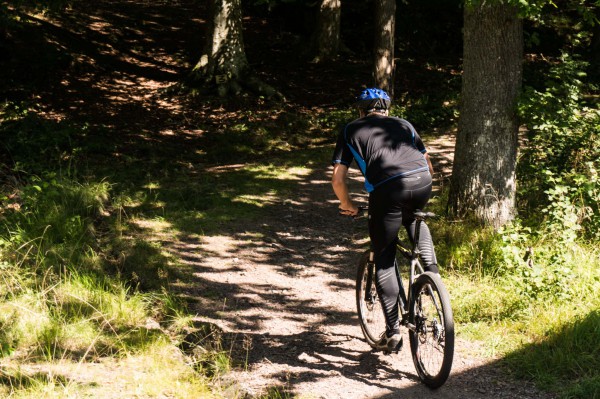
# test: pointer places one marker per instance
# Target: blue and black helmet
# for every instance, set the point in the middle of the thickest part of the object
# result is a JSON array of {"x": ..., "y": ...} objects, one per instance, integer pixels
[{"x": 373, "y": 99}]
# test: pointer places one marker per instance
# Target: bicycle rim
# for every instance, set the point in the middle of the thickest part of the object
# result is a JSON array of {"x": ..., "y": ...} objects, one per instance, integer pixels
[
  {"x": 370, "y": 313},
  {"x": 432, "y": 341}
]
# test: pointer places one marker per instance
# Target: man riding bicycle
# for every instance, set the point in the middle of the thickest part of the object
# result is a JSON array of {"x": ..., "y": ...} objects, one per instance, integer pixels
[{"x": 398, "y": 177}]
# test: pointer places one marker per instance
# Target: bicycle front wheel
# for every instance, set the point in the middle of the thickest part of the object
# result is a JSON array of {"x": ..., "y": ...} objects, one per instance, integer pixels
[
  {"x": 432, "y": 340},
  {"x": 370, "y": 313}
]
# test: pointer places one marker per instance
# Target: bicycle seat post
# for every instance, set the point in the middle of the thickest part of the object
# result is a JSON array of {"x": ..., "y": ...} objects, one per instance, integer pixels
[{"x": 416, "y": 250}]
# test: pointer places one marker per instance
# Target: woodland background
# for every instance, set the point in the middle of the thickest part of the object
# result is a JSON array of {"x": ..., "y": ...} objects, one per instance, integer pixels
[{"x": 106, "y": 134}]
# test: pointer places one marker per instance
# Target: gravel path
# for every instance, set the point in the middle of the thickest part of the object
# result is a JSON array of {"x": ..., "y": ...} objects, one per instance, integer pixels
[{"x": 281, "y": 293}]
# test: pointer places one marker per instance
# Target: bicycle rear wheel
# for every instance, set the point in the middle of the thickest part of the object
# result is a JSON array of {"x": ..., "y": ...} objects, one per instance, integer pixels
[
  {"x": 370, "y": 313},
  {"x": 432, "y": 341}
]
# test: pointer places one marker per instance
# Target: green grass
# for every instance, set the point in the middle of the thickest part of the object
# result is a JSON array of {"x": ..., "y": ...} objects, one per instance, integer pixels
[{"x": 541, "y": 320}]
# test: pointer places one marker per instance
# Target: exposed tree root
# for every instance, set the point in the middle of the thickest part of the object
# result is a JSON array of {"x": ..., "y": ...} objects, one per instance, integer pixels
[{"x": 224, "y": 86}]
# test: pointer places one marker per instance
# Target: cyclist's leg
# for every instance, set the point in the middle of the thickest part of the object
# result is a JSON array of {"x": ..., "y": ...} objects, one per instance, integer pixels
[
  {"x": 420, "y": 192},
  {"x": 383, "y": 230},
  {"x": 425, "y": 244}
]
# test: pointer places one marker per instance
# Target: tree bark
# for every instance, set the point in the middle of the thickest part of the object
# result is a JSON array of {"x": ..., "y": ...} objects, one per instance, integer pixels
[
  {"x": 595, "y": 45},
  {"x": 327, "y": 35},
  {"x": 483, "y": 176},
  {"x": 223, "y": 64},
  {"x": 385, "y": 24}
]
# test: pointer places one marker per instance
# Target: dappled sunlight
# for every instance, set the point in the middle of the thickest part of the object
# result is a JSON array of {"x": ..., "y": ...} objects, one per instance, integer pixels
[
  {"x": 155, "y": 226},
  {"x": 257, "y": 200},
  {"x": 216, "y": 211}
]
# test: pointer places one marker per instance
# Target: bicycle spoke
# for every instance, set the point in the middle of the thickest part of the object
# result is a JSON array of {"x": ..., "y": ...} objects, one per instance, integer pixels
[
  {"x": 370, "y": 313},
  {"x": 432, "y": 352}
]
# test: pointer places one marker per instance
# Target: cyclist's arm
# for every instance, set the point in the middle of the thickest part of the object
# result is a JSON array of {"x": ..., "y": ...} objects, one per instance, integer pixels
[
  {"x": 340, "y": 188},
  {"x": 421, "y": 147},
  {"x": 429, "y": 163}
]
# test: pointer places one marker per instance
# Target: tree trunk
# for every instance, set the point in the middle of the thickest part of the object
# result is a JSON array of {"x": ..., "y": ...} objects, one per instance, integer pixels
[
  {"x": 223, "y": 64},
  {"x": 327, "y": 35},
  {"x": 595, "y": 46},
  {"x": 385, "y": 23},
  {"x": 483, "y": 177}
]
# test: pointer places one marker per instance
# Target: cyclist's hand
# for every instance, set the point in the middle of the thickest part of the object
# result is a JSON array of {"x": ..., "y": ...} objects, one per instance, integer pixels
[{"x": 349, "y": 210}]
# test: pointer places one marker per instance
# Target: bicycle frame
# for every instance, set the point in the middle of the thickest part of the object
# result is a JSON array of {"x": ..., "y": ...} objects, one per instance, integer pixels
[{"x": 412, "y": 255}]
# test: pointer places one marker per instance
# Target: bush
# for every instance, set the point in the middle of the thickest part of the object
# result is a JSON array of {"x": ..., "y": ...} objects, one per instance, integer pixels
[{"x": 562, "y": 157}]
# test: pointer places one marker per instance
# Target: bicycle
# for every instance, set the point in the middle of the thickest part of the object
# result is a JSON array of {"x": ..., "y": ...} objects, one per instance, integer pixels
[{"x": 424, "y": 308}]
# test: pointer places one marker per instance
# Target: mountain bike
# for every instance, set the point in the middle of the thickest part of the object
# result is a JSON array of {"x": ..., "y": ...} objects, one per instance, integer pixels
[{"x": 424, "y": 307}]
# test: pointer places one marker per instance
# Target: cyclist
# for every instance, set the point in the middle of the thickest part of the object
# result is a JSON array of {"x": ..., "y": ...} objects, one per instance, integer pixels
[{"x": 398, "y": 176}]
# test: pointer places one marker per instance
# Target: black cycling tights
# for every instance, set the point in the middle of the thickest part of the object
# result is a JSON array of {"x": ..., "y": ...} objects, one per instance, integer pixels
[{"x": 390, "y": 206}]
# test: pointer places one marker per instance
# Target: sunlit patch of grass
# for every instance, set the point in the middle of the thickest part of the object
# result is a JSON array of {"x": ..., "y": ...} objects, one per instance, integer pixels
[
  {"x": 279, "y": 172},
  {"x": 223, "y": 194},
  {"x": 23, "y": 319},
  {"x": 15, "y": 383},
  {"x": 161, "y": 370},
  {"x": 81, "y": 317},
  {"x": 84, "y": 297},
  {"x": 257, "y": 200}
]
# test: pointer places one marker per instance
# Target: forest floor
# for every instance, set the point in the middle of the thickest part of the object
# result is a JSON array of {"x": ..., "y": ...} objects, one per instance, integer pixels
[{"x": 280, "y": 289}]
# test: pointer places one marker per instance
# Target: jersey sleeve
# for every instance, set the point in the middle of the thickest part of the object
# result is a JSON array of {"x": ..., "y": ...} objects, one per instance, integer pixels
[
  {"x": 417, "y": 140},
  {"x": 419, "y": 144},
  {"x": 342, "y": 153}
]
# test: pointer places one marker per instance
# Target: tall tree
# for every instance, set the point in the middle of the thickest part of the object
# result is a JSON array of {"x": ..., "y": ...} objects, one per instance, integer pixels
[
  {"x": 223, "y": 63},
  {"x": 385, "y": 23},
  {"x": 595, "y": 45},
  {"x": 483, "y": 177},
  {"x": 326, "y": 39}
]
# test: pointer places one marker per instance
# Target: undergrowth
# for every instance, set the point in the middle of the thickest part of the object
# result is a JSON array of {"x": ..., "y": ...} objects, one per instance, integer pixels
[{"x": 529, "y": 290}]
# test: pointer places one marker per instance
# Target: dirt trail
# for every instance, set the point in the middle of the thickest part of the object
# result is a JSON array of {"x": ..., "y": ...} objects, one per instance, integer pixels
[{"x": 286, "y": 300}]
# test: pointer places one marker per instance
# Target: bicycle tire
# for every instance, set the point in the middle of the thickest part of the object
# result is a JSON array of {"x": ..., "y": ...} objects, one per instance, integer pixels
[
  {"x": 370, "y": 313},
  {"x": 432, "y": 341}
]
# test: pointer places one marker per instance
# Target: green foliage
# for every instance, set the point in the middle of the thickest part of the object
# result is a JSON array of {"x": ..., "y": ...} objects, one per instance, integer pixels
[
  {"x": 540, "y": 269},
  {"x": 534, "y": 268},
  {"x": 334, "y": 120},
  {"x": 534, "y": 8},
  {"x": 427, "y": 113},
  {"x": 562, "y": 156},
  {"x": 40, "y": 5},
  {"x": 52, "y": 225},
  {"x": 532, "y": 299}
]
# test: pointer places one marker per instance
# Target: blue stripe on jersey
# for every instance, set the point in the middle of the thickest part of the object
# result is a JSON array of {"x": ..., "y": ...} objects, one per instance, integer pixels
[
  {"x": 361, "y": 162},
  {"x": 363, "y": 168},
  {"x": 412, "y": 131}
]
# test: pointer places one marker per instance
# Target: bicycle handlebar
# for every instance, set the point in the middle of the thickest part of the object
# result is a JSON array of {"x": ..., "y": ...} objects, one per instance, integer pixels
[{"x": 363, "y": 211}]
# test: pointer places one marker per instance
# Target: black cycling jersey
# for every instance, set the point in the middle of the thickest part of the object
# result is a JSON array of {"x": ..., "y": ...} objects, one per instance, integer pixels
[{"x": 390, "y": 146}]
